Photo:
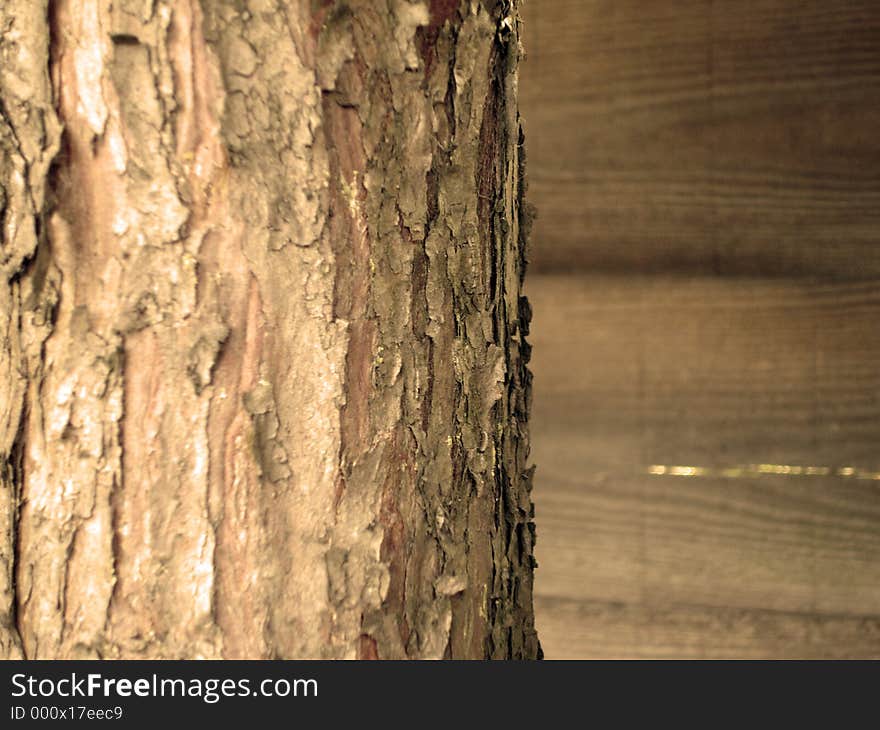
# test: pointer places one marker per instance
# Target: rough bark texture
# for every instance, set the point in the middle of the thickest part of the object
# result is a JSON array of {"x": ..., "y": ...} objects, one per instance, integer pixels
[{"x": 263, "y": 385}]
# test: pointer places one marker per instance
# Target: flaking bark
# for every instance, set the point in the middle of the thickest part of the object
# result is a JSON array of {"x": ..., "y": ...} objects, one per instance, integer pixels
[{"x": 263, "y": 384}]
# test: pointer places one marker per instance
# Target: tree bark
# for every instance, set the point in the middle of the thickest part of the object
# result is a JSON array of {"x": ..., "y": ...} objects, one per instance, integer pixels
[{"x": 263, "y": 384}]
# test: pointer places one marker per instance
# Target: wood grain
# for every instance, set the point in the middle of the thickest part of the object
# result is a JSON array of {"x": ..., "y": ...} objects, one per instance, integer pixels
[
  {"x": 632, "y": 371},
  {"x": 710, "y": 136},
  {"x": 626, "y": 631}
]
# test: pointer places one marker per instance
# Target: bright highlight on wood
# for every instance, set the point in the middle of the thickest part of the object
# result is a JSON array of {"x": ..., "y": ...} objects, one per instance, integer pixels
[{"x": 752, "y": 470}]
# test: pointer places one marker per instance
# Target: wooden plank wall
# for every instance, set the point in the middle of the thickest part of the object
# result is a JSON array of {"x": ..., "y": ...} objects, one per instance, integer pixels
[
  {"x": 634, "y": 372},
  {"x": 706, "y": 286},
  {"x": 713, "y": 136}
]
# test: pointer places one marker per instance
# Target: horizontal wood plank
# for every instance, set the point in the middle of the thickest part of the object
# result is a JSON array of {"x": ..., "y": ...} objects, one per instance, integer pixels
[
  {"x": 713, "y": 373},
  {"x": 709, "y": 137},
  {"x": 609, "y": 630}
]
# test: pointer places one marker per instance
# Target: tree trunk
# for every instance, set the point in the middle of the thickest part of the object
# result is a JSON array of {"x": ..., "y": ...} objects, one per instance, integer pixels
[{"x": 263, "y": 385}]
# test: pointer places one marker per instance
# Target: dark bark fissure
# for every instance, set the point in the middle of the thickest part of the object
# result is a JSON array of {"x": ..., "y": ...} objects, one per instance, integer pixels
[{"x": 15, "y": 467}]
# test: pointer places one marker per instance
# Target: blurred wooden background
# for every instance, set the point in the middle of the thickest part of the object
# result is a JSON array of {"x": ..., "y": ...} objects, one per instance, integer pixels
[{"x": 706, "y": 286}]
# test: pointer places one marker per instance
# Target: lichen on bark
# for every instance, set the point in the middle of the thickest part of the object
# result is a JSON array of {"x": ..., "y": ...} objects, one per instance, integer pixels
[{"x": 263, "y": 367}]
